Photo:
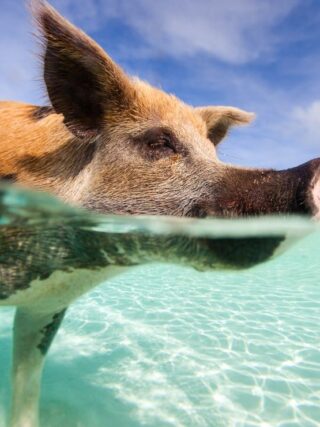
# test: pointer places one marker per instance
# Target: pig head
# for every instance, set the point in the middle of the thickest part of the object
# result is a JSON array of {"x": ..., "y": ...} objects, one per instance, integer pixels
[{"x": 115, "y": 144}]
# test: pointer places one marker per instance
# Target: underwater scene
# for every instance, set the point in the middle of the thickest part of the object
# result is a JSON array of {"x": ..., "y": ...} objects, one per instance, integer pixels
[{"x": 215, "y": 323}]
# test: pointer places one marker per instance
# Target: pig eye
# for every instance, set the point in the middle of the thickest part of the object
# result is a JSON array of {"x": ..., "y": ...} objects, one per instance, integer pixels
[
  {"x": 162, "y": 145},
  {"x": 156, "y": 143}
]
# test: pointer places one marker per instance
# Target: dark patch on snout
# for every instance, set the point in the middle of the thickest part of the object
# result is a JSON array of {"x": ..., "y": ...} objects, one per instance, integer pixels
[
  {"x": 39, "y": 113},
  {"x": 261, "y": 192},
  {"x": 63, "y": 163},
  {"x": 244, "y": 252}
]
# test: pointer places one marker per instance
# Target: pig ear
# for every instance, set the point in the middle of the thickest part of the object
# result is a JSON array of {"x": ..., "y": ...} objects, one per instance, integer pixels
[
  {"x": 82, "y": 81},
  {"x": 220, "y": 119}
]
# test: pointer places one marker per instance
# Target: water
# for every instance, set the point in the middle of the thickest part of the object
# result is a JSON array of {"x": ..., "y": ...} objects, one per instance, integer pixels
[{"x": 166, "y": 345}]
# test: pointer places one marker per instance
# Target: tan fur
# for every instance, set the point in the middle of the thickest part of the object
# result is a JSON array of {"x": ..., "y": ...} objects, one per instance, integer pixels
[
  {"x": 21, "y": 135},
  {"x": 85, "y": 151}
]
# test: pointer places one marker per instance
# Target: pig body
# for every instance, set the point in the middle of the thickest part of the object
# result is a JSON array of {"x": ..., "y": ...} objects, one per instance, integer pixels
[{"x": 114, "y": 144}]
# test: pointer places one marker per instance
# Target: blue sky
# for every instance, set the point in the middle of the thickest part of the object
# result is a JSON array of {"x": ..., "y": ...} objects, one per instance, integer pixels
[{"x": 260, "y": 55}]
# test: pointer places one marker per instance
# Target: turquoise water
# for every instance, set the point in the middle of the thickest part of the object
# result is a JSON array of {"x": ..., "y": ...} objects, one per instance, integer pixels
[{"x": 166, "y": 345}]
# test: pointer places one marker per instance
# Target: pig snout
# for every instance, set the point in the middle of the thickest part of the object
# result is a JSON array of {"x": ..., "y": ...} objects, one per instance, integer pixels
[
  {"x": 314, "y": 198},
  {"x": 261, "y": 192},
  {"x": 244, "y": 192}
]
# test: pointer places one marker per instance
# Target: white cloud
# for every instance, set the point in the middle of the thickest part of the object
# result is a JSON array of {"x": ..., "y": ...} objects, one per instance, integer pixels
[
  {"x": 91, "y": 14},
  {"x": 307, "y": 120},
  {"x": 231, "y": 30}
]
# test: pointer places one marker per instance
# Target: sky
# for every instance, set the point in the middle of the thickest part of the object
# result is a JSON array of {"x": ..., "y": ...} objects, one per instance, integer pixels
[{"x": 259, "y": 55}]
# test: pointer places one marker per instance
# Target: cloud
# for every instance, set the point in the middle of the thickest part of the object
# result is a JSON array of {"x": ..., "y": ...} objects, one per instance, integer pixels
[
  {"x": 307, "y": 120},
  {"x": 240, "y": 53},
  {"x": 232, "y": 31}
]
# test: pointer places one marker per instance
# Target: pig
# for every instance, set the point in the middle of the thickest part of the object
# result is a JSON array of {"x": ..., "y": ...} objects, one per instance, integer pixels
[{"x": 114, "y": 144}]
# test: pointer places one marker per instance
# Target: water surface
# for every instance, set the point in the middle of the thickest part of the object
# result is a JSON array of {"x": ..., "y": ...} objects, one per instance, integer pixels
[{"x": 166, "y": 345}]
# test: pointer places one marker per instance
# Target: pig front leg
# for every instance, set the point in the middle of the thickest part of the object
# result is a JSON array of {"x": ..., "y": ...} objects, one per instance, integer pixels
[{"x": 34, "y": 331}]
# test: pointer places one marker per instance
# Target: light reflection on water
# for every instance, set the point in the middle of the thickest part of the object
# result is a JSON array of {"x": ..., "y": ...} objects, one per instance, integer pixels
[{"x": 165, "y": 345}]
